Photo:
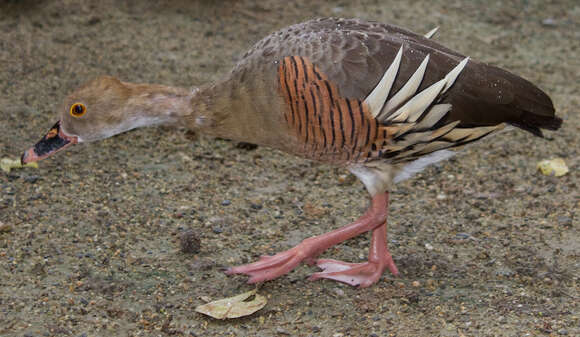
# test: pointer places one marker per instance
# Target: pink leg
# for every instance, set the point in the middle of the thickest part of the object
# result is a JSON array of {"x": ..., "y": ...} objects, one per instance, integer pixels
[
  {"x": 361, "y": 274},
  {"x": 271, "y": 267}
]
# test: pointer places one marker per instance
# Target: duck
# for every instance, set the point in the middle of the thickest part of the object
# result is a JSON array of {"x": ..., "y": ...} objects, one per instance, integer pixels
[{"x": 373, "y": 98}]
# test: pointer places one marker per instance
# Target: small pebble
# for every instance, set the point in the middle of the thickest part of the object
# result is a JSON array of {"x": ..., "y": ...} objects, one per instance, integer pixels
[
  {"x": 281, "y": 331},
  {"x": 226, "y": 202},
  {"x": 564, "y": 221},
  {"x": 562, "y": 332},
  {"x": 190, "y": 242},
  {"x": 550, "y": 22},
  {"x": 505, "y": 272},
  {"x": 462, "y": 236},
  {"x": 339, "y": 292},
  {"x": 416, "y": 284},
  {"x": 428, "y": 246},
  {"x": 31, "y": 179}
]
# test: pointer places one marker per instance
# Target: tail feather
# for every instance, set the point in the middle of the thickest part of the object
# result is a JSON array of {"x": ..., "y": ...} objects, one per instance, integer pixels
[
  {"x": 536, "y": 110},
  {"x": 489, "y": 95},
  {"x": 534, "y": 123}
]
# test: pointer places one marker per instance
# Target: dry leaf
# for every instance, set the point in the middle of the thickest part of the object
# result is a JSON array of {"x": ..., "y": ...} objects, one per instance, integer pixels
[
  {"x": 7, "y": 164},
  {"x": 233, "y": 307},
  {"x": 553, "y": 167}
]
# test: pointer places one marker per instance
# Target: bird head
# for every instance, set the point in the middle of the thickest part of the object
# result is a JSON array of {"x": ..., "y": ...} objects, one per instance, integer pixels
[{"x": 105, "y": 107}]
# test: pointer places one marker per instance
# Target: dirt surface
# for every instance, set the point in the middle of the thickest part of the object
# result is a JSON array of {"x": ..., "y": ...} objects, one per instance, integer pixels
[{"x": 90, "y": 241}]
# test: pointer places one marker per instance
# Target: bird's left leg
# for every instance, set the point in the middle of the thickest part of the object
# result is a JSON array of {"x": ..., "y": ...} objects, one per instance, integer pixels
[{"x": 361, "y": 274}]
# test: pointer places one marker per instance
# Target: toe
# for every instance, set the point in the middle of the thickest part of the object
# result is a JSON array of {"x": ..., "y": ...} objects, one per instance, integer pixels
[{"x": 354, "y": 274}]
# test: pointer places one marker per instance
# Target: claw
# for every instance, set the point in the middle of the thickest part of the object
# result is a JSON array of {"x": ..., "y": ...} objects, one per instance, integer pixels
[{"x": 354, "y": 274}]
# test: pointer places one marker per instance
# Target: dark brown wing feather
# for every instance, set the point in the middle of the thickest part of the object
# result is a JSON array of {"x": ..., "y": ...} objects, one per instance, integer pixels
[{"x": 355, "y": 54}]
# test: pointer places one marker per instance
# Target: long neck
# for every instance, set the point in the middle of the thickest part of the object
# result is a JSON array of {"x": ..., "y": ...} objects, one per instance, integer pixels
[
  {"x": 226, "y": 109},
  {"x": 157, "y": 104}
]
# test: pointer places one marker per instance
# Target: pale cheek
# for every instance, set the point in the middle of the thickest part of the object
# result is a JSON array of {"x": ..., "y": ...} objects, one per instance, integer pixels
[
  {"x": 67, "y": 127},
  {"x": 76, "y": 127}
]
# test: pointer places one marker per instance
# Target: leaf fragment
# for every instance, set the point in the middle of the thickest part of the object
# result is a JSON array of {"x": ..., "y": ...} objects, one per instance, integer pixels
[
  {"x": 553, "y": 167},
  {"x": 234, "y": 307},
  {"x": 7, "y": 164}
]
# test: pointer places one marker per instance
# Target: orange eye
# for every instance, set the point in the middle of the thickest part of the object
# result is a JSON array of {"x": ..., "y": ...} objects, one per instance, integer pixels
[{"x": 77, "y": 109}]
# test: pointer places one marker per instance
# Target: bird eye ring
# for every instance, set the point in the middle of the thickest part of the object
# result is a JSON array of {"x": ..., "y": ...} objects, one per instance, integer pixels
[{"x": 77, "y": 109}]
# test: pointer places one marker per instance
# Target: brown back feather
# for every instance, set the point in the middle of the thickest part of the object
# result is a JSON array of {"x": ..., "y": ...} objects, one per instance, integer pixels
[{"x": 354, "y": 54}]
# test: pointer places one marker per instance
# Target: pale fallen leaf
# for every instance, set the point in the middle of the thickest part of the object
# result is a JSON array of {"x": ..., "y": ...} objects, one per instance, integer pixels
[
  {"x": 553, "y": 167},
  {"x": 7, "y": 164},
  {"x": 233, "y": 307}
]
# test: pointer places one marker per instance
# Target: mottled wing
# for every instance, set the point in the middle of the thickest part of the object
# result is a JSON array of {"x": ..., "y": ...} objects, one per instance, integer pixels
[{"x": 332, "y": 128}]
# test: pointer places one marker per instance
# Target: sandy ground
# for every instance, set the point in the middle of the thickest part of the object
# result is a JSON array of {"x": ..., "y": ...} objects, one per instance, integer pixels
[{"x": 89, "y": 242}]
